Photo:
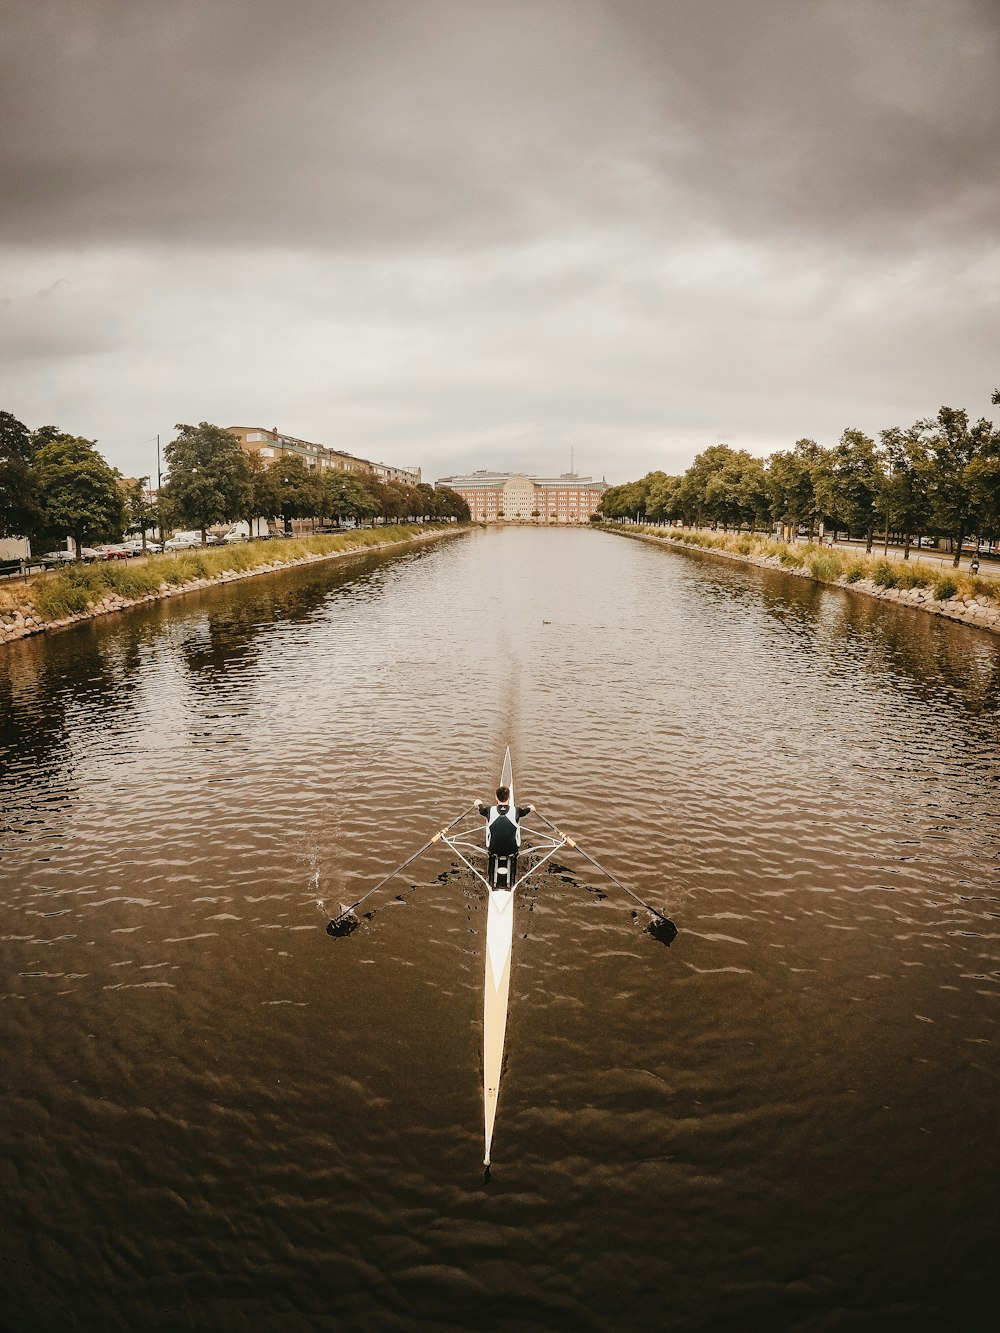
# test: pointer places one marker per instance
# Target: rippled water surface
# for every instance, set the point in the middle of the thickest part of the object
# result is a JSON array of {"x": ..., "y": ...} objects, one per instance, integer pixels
[{"x": 219, "y": 1117}]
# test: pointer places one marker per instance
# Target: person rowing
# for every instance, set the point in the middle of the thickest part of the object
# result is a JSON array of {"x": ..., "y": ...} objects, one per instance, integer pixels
[{"x": 503, "y": 835}]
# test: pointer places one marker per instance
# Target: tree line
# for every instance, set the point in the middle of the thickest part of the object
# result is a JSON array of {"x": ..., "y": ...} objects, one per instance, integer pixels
[
  {"x": 54, "y": 485},
  {"x": 938, "y": 478}
]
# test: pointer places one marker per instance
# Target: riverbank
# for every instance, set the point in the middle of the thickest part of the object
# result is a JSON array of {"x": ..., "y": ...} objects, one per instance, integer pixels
[
  {"x": 82, "y": 592},
  {"x": 951, "y": 594}
]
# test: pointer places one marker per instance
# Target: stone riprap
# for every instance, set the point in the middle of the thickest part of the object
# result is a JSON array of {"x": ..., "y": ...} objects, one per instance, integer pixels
[
  {"x": 23, "y": 619},
  {"x": 979, "y": 612}
]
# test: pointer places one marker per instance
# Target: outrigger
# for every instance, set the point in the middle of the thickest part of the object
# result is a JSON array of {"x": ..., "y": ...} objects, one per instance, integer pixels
[{"x": 499, "y": 924}]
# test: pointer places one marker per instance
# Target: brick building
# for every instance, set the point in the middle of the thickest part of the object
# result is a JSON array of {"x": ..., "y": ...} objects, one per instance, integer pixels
[{"x": 490, "y": 496}]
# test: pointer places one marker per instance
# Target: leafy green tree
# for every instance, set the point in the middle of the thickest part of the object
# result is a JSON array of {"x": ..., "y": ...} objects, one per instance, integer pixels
[
  {"x": 795, "y": 483},
  {"x": 426, "y": 500},
  {"x": 661, "y": 500},
  {"x": 853, "y": 491},
  {"x": 79, "y": 493},
  {"x": 754, "y": 498},
  {"x": 344, "y": 496},
  {"x": 702, "y": 491},
  {"x": 141, "y": 513},
  {"x": 298, "y": 489},
  {"x": 731, "y": 496},
  {"x": 452, "y": 505},
  {"x": 956, "y": 448},
  {"x": 629, "y": 500},
  {"x": 907, "y": 492},
  {"x": 262, "y": 494},
  {"x": 18, "y": 496},
  {"x": 209, "y": 479},
  {"x": 984, "y": 483}
]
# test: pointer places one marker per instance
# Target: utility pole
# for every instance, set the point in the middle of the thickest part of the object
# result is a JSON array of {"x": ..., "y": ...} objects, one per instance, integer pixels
[{"x": 159, "y": 483}]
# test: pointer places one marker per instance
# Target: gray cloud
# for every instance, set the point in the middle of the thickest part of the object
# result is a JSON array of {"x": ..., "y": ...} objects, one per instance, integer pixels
[{"x": 447, "y": 231}]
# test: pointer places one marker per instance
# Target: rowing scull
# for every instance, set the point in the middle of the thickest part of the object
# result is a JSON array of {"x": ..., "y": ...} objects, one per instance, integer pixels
[
  {"x": 499, "y": 928},
  {"x": 496, "y": 989}
]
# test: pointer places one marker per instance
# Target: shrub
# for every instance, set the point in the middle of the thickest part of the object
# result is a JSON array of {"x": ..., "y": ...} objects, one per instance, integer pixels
[
  {"x": 855, "y": 572},
  {"x": 885, "y": 575},
  {"x": 60, "y": 597},
  {"x": 791, "y": 559},
  {"x": 908, "y": 577},
  {"x": 825, "y": 567},
  {"x": 944, "y": 588}
]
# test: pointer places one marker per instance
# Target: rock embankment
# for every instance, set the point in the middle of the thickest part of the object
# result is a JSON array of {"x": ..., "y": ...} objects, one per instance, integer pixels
[
  {"x": 976, "y": 611},
  {"x": 22, "y": 618}
]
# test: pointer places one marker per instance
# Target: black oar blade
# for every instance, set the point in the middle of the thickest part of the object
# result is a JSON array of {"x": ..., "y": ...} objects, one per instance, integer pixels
[
  {"x": 661, "y": 928},
  {"x": 342, "y": 926}
]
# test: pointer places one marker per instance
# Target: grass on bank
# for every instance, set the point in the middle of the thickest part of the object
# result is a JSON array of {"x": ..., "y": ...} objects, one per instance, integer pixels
[
  {"x": 830, "y": 564},
  {"x": 75, "y": 589}
]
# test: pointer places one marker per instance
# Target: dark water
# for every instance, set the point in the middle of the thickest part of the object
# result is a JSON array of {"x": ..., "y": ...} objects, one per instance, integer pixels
[{"x": 218, "y": 1117}]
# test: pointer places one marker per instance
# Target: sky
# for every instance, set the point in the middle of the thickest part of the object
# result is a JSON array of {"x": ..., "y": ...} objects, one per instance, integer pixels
[{"x": 462, "y": 234}]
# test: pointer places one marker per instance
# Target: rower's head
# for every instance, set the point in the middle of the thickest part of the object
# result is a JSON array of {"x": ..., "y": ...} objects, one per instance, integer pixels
[{"x": 503, "y": 795}]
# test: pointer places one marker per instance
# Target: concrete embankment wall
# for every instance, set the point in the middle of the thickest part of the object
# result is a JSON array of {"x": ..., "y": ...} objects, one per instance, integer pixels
[
  {"x": 976, "y": 610},
  {"x": 22, "y": 618}
]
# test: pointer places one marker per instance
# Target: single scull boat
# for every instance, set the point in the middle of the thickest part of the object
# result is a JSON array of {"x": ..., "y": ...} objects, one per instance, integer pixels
[
  {"x": 499, "y": 926},
  {"x": 496, "y": 988}
]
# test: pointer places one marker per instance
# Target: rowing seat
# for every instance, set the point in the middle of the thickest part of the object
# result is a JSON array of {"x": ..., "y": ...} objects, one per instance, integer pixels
[{"x": 501, "y": 872}]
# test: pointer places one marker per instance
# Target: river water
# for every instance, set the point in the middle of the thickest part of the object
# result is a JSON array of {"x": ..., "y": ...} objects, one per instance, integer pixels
[{"x": 218, "y": 1116}]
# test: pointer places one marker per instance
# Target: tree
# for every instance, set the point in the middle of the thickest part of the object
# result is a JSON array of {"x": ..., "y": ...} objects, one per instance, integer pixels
[
  {"x": 345, "y": 497},
  {"x": 700, "y": 486},
  {"x": 984, "y": 484},
  {"x": 140, "y": 512},
  {"x": 853, "y": 493},
  {"x": 452, "y": 505},
  {"x": 735, "y": 490},
  {"x": 792, "y": 479},
  {"x": 18, "y": 497},
  {"x": 298, "y": 490},
  {"x": 956, "y": 448},
  {"x": 753, "y": 496},
  {"x": 79, "y": 493},
  {"x": 661, "y": 501},
  {"x": 209, "y": 478},
  {"x": 262, "y": 494},
  {"x": 907, "y": 496}
]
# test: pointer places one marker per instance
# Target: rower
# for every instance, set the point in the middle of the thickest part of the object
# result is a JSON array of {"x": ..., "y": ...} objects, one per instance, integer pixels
[{"x": 503, "y": 838}]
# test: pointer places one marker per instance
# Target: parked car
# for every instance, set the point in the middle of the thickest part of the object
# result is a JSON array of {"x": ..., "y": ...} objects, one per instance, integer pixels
[
  {"x": 90, "y": 553},
  {"x": 55, "y": 557},
  {"x": 114, "y": 551},
  {"x": 183, "y": 541}
]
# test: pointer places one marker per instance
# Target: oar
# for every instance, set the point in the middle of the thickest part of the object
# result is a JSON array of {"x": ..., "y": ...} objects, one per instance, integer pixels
[
  {"x": 604, "y": 871},
  {"x": 409, "y": 861}
]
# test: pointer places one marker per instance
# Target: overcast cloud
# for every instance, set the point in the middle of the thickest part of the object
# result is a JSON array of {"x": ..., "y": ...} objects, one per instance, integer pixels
[{"x": 459, "y": 234}]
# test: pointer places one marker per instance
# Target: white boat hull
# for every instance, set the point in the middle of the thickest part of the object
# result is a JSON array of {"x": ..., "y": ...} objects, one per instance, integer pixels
[
  {"x": 496, "y": 989},
  {"x": 499, "y": 941}
]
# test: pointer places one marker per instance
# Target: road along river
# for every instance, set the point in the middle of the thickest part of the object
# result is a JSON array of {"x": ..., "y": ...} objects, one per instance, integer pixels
[{"x": 219, "y": 1117}]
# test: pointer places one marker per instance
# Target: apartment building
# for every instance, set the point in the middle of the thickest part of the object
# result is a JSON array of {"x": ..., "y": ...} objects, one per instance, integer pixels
[
  {"x": 272, "y": 444},
  {"x": 568, "y": 498}
]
